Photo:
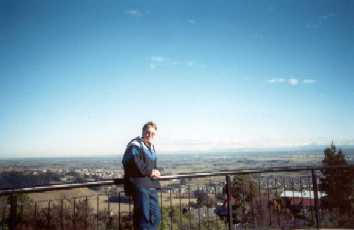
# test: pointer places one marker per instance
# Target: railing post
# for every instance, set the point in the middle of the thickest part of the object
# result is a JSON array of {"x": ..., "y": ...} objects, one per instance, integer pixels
[
  {"x": 13, "y": 211},
  {"x": 74, "y": 213},
  {"x": 61, "y": 214},
  {"x": 229, "y": 205},
  {"x": 171, "y": 209},
  {"x": 315, "y": 191},
  {"x": 86, "y": 212},
  {"x": 119, "y": 227},
  {"x": 98, "y": 208},
  {"x": 180, "y": 206},
  {"x": 48, "y": 215}
]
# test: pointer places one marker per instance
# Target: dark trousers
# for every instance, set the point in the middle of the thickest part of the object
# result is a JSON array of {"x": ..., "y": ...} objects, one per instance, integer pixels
[{"x": 146, "y": 214}]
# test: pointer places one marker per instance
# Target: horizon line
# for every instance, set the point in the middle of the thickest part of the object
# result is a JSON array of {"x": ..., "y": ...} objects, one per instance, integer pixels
[{"x": 171, "y": 152}]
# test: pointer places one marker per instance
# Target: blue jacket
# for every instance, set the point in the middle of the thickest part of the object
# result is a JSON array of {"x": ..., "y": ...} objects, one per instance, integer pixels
[{"x": 138, "y": 161}]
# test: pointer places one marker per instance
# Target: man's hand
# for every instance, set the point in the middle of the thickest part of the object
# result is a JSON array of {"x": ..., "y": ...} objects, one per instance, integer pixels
[{"x": 155, "y": 173}]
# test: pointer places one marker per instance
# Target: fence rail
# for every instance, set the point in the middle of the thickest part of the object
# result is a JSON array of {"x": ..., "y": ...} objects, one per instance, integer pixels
[{"x": 119, "y": 181}]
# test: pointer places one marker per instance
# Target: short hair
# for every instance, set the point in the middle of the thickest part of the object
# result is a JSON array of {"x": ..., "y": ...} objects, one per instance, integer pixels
[{"x": 149, "y": 124}]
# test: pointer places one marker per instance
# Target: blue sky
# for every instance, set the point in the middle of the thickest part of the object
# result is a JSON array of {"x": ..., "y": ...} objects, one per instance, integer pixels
[{"x": 82, "y": 77}]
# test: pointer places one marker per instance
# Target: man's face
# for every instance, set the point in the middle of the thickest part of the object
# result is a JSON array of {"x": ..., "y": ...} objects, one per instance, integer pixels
[{"x": 149, "y": 135}]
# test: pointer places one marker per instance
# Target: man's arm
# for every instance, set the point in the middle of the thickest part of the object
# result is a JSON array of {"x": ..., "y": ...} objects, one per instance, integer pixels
[
  {"x": 144, "y": 166},
  {"x": 155, "y": 172}
]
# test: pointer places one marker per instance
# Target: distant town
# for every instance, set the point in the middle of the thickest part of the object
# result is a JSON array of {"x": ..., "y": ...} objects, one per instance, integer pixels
[{"x": 37, "y": 171}]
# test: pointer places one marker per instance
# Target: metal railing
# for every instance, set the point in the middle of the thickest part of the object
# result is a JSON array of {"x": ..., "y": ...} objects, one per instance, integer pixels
[{"x": 244, "y": 198}]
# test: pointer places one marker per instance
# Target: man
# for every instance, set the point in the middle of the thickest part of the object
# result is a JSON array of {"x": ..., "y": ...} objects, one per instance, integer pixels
[{"x": 140, "y": 173}]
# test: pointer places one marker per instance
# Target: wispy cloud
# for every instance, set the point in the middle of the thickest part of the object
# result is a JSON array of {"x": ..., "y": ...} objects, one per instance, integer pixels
[
  {"x": 291, "y": 81},
  {"x": 192, "y": 21},
  {"x": 134, "y": 13},
  {"x": 276, "y": 80},
  {"x": 319, "y": 21},
  {"x": 159, "y": 61},
  {"x": 190, "y": 63},
  {"x": 327, "y": 16},
  {"x": 156, "y": 61},
  {"x": 309, "y": 81},
  {"x": 152, "y": 66}
]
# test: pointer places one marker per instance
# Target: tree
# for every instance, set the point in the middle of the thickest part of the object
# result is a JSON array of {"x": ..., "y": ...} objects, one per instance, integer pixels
[
  {"x": 337, "y": 182},
  {"x": 243, "y": 192},
  {"x": 204, "y": 200}
]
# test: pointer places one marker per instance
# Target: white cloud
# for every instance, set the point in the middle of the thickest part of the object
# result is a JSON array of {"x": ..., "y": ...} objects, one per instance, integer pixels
[
  {"x": 190, "y": 63},
  {"x": 134, "y": 13},
  {"x": 276, "y": 80},
  {"x": 192, "y": 21},
  {"x": 152, "y": 66},
  {"x": 309, "y": 81},
  {"x": 319, "y": 21},
  {"x": 157, "y": 59},
  {"x": 327, "y": 16},
  {"x": 293, "y": 81}
]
